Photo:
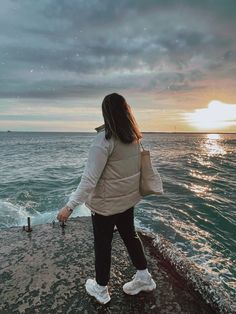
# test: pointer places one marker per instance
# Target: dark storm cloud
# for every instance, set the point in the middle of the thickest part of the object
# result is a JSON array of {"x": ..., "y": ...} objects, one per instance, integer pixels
[
  {"x": 57, "y": 49},
  {"x": 230, "y": 56}
]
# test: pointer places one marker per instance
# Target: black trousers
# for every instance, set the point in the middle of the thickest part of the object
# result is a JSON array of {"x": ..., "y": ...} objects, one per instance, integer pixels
[{"x": 103, "y": 228}]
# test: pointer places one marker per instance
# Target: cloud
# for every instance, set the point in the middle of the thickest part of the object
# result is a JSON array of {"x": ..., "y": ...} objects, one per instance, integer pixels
[
  {"x": 59, "y": 49},
  {"x": 230, "y": 56},
  {"x": 159, "y": 53},
  {"x": 217, "y": 115}
]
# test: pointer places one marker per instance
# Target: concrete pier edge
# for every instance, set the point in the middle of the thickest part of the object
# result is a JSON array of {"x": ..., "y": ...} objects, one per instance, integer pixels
[
  {"x": 188, "y": 273},
  {"x": 34, "y": 265}
]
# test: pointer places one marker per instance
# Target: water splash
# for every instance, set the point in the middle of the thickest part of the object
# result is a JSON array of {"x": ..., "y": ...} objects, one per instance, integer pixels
[{"x": 12, "y": 215}]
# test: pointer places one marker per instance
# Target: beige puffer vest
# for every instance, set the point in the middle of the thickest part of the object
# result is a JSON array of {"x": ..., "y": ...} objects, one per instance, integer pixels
[{"x": 118, "y": 187}]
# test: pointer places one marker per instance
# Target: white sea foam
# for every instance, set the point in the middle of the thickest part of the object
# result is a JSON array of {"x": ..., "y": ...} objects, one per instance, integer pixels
[
  {"x": 81, "y": 211},
  {"x": 16, "y": 215},
  {"x": 12, "y": 215}
]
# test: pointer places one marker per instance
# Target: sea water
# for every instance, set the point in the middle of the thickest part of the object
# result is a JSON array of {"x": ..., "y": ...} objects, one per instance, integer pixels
[{"x": 39, "y": 171}]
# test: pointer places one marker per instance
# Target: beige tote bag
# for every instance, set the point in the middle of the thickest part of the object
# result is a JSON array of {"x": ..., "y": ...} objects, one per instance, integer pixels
[{"x": 150, "y": 180}]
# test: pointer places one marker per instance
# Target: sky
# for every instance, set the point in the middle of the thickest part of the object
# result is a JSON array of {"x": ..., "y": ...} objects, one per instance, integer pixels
[{"x": 173, "y": 60}]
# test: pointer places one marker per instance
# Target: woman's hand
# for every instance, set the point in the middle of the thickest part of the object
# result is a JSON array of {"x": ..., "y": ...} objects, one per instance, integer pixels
[{"x": 64, "y": 213}]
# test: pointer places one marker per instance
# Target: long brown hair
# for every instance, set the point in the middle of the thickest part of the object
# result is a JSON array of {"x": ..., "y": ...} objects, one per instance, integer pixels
[{"x": 119, "y": 120}]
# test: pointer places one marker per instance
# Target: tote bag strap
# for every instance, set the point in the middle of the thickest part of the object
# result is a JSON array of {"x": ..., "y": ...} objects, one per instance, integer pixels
[
  {"x": 141, "y": 145},
  {"x": 142, "y": 149}
]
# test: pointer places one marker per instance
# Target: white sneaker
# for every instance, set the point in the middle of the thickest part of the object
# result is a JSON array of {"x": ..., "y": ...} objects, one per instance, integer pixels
[
  {"x": 100, "y": 293},
  {"x": 139, "y": 283}
]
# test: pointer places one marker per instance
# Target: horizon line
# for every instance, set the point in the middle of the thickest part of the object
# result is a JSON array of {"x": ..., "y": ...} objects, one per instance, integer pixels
[{"x": 170, "y": 132}]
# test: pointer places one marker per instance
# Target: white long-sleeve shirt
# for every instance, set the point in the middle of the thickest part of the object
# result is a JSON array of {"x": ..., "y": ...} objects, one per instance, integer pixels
[{"x": 99, "y": 152}]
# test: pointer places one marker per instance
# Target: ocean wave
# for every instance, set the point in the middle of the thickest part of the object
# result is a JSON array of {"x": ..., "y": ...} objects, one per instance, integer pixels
[
  {"x": 196, "y": 212},
  {"x": 15, "y": 215}
]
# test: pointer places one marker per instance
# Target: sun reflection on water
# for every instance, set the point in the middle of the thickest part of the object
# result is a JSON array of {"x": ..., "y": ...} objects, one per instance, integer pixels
[
  {"x": 199, "y": 175},
  {"x": 200, "y": 190},
  {"x": 213, "y": 136},
  {"x": 212, "y": 146}
]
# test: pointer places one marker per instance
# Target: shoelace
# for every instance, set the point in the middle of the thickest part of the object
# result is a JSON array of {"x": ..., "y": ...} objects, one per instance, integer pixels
[
  {"x": 101, "y": 290},
  {"x": 138, "y": 278}
]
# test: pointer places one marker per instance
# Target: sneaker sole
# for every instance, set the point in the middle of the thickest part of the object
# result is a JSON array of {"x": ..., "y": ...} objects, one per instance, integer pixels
[
  {"x": 93, "y": 295},
  {"x": 144, "y": 288}
]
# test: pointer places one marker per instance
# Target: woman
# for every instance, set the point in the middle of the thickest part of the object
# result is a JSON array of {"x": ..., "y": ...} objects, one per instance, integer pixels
[{"x": 109, "y": 187}]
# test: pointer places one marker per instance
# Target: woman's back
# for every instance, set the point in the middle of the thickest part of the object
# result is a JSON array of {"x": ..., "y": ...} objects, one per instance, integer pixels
[{"x": 118, "y": 186}]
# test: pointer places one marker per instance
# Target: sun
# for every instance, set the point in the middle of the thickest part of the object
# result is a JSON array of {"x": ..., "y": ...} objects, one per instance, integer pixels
[{"x": 217, "y": 115}]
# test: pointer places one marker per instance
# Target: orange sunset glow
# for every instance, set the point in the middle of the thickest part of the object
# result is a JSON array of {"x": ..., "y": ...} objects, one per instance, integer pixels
[{"x": 173, "y": 62}]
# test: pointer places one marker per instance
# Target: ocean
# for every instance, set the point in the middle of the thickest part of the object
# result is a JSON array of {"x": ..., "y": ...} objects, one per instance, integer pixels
[{"x": 39, "y": 171}]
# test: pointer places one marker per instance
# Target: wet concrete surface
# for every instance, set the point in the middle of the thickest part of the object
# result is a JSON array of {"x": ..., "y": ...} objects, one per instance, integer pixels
[{"x": 45, "y": 271}]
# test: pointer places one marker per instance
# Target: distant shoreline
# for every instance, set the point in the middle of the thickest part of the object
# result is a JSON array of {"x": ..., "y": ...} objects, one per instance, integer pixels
[{"x": 144, "y": 132}]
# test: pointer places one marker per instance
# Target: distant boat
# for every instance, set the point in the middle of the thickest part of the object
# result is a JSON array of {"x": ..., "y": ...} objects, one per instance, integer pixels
[{"x": 8, "y": 131}]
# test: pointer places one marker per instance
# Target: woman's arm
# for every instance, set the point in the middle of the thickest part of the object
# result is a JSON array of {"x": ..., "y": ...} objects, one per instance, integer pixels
[
  {"x": 96, "y": 162},
  {"x": 97, "y": 159}
]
